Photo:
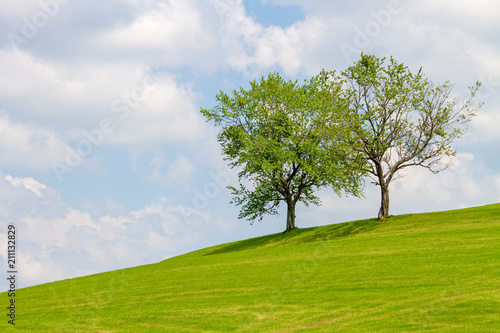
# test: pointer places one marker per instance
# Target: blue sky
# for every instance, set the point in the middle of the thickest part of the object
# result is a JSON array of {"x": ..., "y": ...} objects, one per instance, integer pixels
[{"x": 121, "y": 84}]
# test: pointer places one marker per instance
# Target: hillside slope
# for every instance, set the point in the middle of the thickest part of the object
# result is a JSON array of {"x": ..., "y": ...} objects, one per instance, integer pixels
[{"x": 437, "y": 272}]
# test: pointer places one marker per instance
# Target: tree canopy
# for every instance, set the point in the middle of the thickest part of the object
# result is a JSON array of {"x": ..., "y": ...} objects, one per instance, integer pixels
[
  {"x": 402, "y": 118},
  {"x": 287, "y": 140}
]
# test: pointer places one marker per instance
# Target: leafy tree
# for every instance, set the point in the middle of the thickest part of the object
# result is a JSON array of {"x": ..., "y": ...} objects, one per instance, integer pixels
[
  {"x": 403, "y": 119},
  {"x": 288, "y": 140}
]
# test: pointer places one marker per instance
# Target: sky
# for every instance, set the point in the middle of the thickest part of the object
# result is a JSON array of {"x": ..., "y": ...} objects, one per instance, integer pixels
[{"x": 107, "y": 163}]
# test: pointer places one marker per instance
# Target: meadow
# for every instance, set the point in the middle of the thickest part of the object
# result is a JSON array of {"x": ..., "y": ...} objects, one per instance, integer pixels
[{"x": 432, "y": 272}]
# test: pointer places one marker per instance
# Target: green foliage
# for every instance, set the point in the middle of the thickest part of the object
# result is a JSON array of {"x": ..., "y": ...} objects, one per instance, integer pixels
[
  {"x": 401, "y": 118},
  {"x": 435, "y": 272},
  {"x": 405, "y": 119},
  {"x": 288, "y": 139}
]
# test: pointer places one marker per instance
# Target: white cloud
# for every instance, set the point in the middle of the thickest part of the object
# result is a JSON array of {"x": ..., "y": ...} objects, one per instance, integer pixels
[
  {"x": 165, "y": 113},
  {"x": 179, "y": 171},
  {"x": 442, "y": 36},
  {"x": 452, "y": 53},
  {"x": 250, "y": 47},
  {"x": 484, "y": 126},
  {"x": 144, "y": 109},
  {"x": 28, "y": 183},
  {"x": 483, "y": 11},
  {"x": 288, "y": 47},
  {"x": 170, "y": 32},
  {"x": 172, "y": 24},
  {"x": 20, "y": 8},
  {"x": 62, "y": 97},
  {"x": 28, "y": 146},
  {"x": 466, "y": 183}
]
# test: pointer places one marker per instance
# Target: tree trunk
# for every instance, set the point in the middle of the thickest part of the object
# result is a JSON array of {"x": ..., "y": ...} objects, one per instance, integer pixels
[
  {"x": 290, "y": 218},
  {"x": 384, "y": 205}
]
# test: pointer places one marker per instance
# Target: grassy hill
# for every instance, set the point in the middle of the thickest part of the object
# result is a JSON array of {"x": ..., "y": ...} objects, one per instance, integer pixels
[{"x": 436, "y": 272}]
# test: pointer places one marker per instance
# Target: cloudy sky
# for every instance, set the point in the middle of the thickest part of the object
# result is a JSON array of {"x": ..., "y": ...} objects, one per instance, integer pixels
[{"x": 106, "y": 162}]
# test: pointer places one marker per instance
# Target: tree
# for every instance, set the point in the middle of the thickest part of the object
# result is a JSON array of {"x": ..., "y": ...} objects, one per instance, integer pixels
[
  {"x": 284, "y": 137},
  {"x": 403, "y": 119}
]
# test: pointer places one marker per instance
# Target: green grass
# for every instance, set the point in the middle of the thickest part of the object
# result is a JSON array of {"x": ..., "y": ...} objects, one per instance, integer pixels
[{"x": 436, "y": 272}]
